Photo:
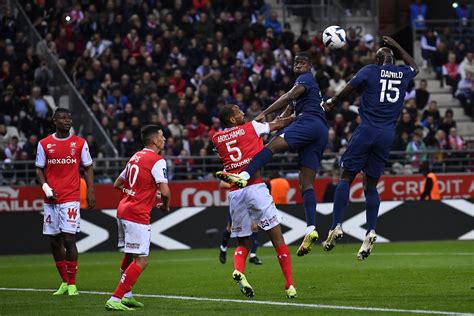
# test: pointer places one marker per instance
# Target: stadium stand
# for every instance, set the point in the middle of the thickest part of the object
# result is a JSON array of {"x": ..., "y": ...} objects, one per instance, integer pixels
[{"x": 175, "y": 63}]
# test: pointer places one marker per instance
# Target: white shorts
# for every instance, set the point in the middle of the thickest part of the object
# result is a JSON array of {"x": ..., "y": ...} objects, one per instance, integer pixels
[
  {"x": 252, "y": 203},
  {"x": 62, "y": 218},
  {"x": 134, "y": 237}
]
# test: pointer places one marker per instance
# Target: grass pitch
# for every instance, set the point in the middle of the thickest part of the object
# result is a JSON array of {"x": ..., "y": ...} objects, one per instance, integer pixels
[{"x": 398, "y": 278}]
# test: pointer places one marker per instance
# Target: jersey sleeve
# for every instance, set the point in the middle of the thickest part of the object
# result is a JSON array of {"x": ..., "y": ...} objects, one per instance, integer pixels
[
  {"x": 86, "y": 159},
  {"x": 159, "y": 171},
  {"x": 360, "y": 77},
  {"x": 261, "y": 128},
  {"x": 409, "y": 71},
  {"x": 40, "y": 157},
  {"x": 305, "y": 80},
  {"x": 123, "y": 174}
]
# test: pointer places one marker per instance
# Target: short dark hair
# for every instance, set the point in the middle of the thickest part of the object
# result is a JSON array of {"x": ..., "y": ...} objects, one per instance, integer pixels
[
  {"x": 303, "y": 55},
  {"x": 226, "y": 113},
  {"x": 148, "y": 131},
  {"x": 61, "y": 110}
]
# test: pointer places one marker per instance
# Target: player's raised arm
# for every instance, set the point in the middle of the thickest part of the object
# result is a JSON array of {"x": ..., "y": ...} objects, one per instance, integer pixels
[
  {"x": 346, "y": 91},
  {"x": 282, "y": 101},
  {"x": 405, "y": 56},
  {"x": 280, "y": 122}
]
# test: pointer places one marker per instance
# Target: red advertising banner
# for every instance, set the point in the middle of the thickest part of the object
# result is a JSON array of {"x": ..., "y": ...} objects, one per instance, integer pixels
[{"x": 208, "y": 193}]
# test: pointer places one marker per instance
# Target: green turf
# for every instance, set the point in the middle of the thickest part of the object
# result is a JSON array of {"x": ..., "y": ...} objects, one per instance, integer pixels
[{"x": 437, "y": 276}]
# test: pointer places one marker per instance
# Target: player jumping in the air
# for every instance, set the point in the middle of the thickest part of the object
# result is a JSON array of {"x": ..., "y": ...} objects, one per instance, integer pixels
[
  {"x": 236, "y": 146},
  {"x": 383, "y": 87},
  {"x": 308, "y": 135},
  {"x": 144, "y": 174},
  {"x": 58, "y": 159}
]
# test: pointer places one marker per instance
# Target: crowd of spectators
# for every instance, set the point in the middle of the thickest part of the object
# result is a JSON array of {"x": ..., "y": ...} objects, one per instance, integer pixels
[{"x": 176, "y": 63}]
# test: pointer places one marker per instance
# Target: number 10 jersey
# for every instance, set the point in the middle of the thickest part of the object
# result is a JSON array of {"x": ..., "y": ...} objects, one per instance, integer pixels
[{"x": 142, "y": 175}]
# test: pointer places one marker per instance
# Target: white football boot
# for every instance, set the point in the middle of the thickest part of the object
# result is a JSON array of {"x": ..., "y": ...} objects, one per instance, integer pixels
[
  {"x": 333, "y": 235},
  {"x": 367, "y": 245}
]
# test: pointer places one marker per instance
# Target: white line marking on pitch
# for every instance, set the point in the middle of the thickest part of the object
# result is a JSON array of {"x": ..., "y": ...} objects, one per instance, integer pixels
[{"x": 271, "y": 303}]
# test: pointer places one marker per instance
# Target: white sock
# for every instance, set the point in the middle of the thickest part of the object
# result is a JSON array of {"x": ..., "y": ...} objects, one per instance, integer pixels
[
  {"x": 253, "y": 255},
  {"x": 309, "y": 229},
  {"x": 223, "y": 248},
  {"x": 128, "y": 294},
  {"x": 245, "y": 175},
  {"x": 115, "y": 299}
]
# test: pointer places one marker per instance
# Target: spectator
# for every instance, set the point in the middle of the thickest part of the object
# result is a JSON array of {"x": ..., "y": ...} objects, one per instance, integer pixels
[
  {"x": 418, "y": 15},
  {"x": 465, "y": 94},
  {"x": 455, "y": 141},
  {"x": 12, "y": 150},
  {"x": 273, "y": 23},
  {"x": 416, "y": 151},
  {"x": 422, "y": 95},
  {"x": 43, "y": 76},
  {"x": 432, "y": 109},
  {"x": 429, "y": 43},
  {"x": 451, "y": 72},
  {"x": 330, "y": 190},
  {"x": 467, "y": 65},
  {"x": 30, "y": 147},
  {"x": 448, "y": 122},
  {"x": 195, "y": 128},
  {"x": 429, "y": 189},
  {"x": 40, "y": 105},
  {"x": 96, "y": 46}
]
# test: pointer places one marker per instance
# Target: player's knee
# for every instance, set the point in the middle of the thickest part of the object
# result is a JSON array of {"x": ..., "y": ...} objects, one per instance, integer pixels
[
  {"x": 56, "y": 242},
  {"x": 142, "y": 262}
]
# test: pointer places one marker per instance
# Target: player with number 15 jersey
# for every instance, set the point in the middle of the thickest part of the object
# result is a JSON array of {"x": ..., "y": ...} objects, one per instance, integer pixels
[{"x": 382, "y": 86}]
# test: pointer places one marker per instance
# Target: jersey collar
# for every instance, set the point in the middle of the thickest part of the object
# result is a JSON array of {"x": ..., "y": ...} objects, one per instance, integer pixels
[{"x": 61, "y": 139}]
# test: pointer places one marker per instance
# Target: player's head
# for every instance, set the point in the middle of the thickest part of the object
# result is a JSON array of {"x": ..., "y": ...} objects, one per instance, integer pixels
[
  {"x": 301, "y": 63},
  {"x": 62, "y": 119},
  {"x": 384, "y": 56},
  {"x": 152, "y": 137},
  {"x": 230, "y": 115}
]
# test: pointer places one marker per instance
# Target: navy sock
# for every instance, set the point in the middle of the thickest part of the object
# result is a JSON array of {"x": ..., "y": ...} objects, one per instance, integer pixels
[
  {"x": 341, "y": 199},
  {"x": 309, "y": 202},
  {"x": 254, "y": 242},
  {"x": 372, "y": 203},
  {"x": 259, "y": 160},
  {"x": 225, "y": 238}
]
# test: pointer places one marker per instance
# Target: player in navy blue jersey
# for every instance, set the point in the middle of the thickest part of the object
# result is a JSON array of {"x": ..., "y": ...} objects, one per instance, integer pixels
[
  {"x": 308, "y": 135},
  {"x": 382, "y": 87}
]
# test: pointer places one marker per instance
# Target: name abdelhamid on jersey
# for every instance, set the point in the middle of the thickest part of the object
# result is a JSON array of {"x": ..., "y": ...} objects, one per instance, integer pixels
[{"x": 230, "y": 135}]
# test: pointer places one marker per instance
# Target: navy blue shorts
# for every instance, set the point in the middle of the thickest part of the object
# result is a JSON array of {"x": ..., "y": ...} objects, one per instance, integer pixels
[
  {"x": 368, "y": 150},
  {"x": 308, "y": 136}
]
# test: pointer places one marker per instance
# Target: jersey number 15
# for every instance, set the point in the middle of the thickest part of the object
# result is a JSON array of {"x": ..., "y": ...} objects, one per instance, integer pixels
[{"x": 391, "y": 86}]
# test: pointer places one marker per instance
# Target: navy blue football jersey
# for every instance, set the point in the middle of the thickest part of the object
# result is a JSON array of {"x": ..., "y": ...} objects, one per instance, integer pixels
[
  {"x": 309, "y": 103},
  {"x": 382, "y": 93}
]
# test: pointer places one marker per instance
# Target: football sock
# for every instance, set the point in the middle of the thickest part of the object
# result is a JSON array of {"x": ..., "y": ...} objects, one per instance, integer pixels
[
  {"x": 283, "y": 254},
  {"x": 61, "y": 266},
  {"x": 71, "y": 267},
  {"x": 372, "y": 203},
  {"x": 309, "y": 202},
  {"x": 125, "y": 263},
  {"x": 341, "y": 199},
  {"x": 225, "y": 239},
  {"x": 253, "y": 243},
  {"x": 129, "y": 277},
  {"x": 258, "y": 161},
  {"x": 240, "y": 255}
]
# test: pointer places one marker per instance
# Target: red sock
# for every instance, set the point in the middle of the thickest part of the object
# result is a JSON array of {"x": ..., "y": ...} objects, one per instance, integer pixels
[
  {"x": 240, "y": 256},
  {"x": 61, "y": 266},
  {"x": 125, "y": 263},
  {"x": 129, "y": 277},
  {"x": 283, "y": 255},
  {"x": 71, "y": 267}
]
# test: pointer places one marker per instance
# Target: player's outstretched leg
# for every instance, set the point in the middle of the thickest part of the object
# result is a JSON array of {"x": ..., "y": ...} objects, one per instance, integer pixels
[
  {"x": 309, "y": 202},
  {"x": 240, "y": 257},
  {"x": 284, "y": 259},
  {"x": 231, "y": 178},
  {"x": 372, "y": 204},
  {"x": 366, "y": 248},
  {"x": 333, "y": 235},
  {"x": 128, "y": 279}
]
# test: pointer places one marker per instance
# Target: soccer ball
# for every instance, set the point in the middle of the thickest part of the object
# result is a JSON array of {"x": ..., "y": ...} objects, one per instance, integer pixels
[{"x": 334, "y": 37}]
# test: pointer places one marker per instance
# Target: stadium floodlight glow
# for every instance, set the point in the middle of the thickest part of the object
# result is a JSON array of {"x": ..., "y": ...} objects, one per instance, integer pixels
[{"x": 455, "y": 4}]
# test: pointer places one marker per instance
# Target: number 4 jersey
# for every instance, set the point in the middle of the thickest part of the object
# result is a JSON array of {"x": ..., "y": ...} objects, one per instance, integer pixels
[
  {"x": 383, "y": 93},
  {"x": 142, "y": 175},
  {"x": 237, "y": 146}
]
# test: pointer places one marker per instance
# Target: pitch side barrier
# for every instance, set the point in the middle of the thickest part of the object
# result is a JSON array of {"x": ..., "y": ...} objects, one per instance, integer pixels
[{"x": 200, "y": 227}]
